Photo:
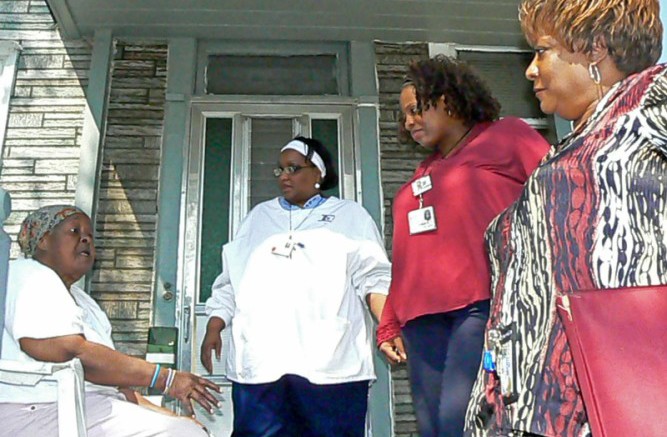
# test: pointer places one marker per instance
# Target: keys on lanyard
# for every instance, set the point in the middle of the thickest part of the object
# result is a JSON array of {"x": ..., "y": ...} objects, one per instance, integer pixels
[
  {"x": 421, "y": 219},
  {"x": 500, "y": 358}
]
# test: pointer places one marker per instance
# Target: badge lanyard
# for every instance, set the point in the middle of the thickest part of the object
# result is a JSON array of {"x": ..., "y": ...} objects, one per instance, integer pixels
[
  {"x": 289, "y": 246},
  {"x": 421, "y": 219}
]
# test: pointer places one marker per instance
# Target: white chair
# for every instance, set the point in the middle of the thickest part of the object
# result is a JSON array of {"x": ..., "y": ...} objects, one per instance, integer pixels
[
  {"x": 69, "y": 375},
  {"x": 71, "y": 394}
]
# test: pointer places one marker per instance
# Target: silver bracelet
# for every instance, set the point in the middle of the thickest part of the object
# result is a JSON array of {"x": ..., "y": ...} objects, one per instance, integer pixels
[{"x": 171, "y": 375}]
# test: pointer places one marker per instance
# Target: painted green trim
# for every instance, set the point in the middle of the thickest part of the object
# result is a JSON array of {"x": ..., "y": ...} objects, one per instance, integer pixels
[
  {"x": 5, "y": 243},
  {"x": 92, "y": 136},
  {"x": 63, "y": 16},
  {"x": 9, "y": 58},
  {"x": 181, "y": 63},
  {"x": 364, "y": 88},
  {"x": 367, "y": 136},
  {"x": 90, "y": 157}
]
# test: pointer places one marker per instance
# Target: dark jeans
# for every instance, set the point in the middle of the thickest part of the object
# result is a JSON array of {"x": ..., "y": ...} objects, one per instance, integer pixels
[
  {"x": 444, "y": 353},
  {"x": 293, "y": 407}
]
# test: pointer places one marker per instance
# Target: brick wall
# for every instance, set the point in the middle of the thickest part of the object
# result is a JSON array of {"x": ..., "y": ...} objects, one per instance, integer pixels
[
  {"x": 127, "y": 207},
  {"x": 398, "y": 162},
  {"x": 40, "y": 158}
]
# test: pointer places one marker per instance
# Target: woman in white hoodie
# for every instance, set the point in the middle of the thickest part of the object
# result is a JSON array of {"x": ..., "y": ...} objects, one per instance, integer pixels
[{"x": 296, "y": 281}]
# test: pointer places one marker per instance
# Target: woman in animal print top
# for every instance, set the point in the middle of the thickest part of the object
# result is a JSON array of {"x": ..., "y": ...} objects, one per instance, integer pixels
[{"x": 593, "y": 215}]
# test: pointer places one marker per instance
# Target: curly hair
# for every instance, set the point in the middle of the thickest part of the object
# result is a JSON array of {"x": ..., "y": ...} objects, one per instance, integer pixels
[
  {"x": 467, "y": 95},
  {"x": 631, "y": 29}
]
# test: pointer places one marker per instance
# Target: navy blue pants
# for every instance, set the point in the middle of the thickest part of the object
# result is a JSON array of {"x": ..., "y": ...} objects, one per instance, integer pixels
[
  {"x": 294, "y": 407},
  {"x": 444, "y": 353}
]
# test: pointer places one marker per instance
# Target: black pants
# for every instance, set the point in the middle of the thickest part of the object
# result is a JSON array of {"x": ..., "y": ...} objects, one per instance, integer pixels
[
  {"x": 444, "y": 353},
  {"x": 294, "y": 407}
]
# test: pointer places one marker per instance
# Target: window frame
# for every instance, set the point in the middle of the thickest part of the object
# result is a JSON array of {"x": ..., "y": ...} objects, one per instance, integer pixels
[
  {"x": 453, "y": 50},
  {"x": 207, "y": 48}
]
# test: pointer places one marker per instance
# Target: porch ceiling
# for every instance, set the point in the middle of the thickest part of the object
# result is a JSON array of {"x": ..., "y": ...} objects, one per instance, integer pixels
[{"x": 469, "y": 22}]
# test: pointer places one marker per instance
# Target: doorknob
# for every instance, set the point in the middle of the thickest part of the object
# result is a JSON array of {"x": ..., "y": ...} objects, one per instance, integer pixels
[{"x": 168, "y": 295}]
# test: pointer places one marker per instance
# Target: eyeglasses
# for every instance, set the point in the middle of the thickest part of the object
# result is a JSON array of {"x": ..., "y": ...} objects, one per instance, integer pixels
[{"x": 289, "y": 170}]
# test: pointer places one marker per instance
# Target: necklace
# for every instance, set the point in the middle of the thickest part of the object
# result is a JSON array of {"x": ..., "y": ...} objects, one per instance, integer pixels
[
  {"x": 300, "y": 223},
  {"x": 453, "y": 148},
  {"x": 287, "y": 248}
]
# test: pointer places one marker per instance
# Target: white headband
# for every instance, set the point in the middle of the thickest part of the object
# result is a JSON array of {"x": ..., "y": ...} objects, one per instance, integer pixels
[{"x": 302, "y": 148}]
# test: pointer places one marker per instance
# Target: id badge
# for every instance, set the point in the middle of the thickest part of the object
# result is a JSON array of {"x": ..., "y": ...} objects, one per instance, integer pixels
[
  {"x": 505, "y": 369},
  {"x": 505, "y": 364},
  {"x": 421, "y": 220},
  {"x": 284, "y": 249},
  {"x": 421, "y": 185}
]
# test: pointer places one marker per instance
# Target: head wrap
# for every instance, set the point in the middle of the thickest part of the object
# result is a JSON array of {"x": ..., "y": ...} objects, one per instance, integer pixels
[
  {"x": 302, "y": 148},
  {"x": 39, "y": 222}
]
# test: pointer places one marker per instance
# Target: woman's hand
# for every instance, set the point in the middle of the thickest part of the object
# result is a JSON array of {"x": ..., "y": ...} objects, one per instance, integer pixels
[
  {"x": 188, "y": 387},
  {"x": 394, "y": 350},
  {"x": 212, "y": 341},
  {"x": 137, "y": 398}
]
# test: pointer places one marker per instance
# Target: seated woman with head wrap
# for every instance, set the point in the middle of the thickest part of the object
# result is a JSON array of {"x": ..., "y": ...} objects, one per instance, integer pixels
[{"x": 50, "y": 319}]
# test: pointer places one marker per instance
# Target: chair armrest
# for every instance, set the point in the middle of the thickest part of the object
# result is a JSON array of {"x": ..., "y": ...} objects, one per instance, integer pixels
[
  {"x": 30, "y": 373},
  {"x": 71, "y": 391}
]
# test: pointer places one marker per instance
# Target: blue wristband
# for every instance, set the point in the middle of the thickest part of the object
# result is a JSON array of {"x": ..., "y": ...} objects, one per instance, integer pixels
[{"x": 155, "y": 376}]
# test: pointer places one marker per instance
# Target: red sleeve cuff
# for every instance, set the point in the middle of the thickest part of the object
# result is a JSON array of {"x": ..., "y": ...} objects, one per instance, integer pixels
[{"x": 387, "y": 332}]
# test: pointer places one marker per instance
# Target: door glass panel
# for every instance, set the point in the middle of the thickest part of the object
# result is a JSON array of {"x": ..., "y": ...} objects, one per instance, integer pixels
[
  {"x": 215, "y": 201},
  {"x": 268, "y": 136},
  {"x": 327, "y": 132}
]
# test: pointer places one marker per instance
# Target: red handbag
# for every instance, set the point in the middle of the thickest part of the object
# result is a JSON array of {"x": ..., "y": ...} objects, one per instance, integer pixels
[{"x": 618, "y": 340}]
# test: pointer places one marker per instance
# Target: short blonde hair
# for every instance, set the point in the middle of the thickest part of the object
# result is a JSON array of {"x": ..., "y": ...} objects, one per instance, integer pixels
[{"x": 631, "y": 28}]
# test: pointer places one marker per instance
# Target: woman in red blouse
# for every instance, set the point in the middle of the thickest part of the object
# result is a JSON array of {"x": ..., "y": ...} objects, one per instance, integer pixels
[{"x": 439, "y": 297}]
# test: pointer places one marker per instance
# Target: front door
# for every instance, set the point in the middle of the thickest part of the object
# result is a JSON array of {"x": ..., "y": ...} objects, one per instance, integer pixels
[{"x": 233, "y": 150}]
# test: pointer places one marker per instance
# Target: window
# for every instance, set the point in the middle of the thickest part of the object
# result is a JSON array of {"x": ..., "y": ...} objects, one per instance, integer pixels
[
  {"x": 503, "y": 69},
  {"x": 310, "y": 75},
  {"x": 272, "y": 69}
]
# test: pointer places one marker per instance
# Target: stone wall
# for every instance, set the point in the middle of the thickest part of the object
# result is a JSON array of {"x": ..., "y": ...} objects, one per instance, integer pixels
[
  {"x": 127, "y": 207},
  {"x": 398, "y": 162},
  {"x": 41, "y": 151},
  {"x": 40, "y": 159}
]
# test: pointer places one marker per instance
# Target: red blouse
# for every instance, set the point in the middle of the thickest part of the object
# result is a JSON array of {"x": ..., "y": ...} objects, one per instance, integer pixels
[{"x": 447, "y": 269}]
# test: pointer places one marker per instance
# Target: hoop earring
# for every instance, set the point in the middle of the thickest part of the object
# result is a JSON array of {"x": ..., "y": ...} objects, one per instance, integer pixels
[
  {"x": 594, "y": 73},
  {"x": 317, "y": 185},
  {"x": 449, "y": 112}
]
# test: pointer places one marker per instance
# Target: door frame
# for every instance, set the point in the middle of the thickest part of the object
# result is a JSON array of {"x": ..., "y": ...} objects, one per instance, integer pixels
[
  {"x": 238, "y": 109},
  {"x": 242, "y": 110},
  {"x": 190, "y": 312}
]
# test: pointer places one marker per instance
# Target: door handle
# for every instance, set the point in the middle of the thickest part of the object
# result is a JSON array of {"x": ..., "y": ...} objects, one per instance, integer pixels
[{"x": 187, "y": 312}]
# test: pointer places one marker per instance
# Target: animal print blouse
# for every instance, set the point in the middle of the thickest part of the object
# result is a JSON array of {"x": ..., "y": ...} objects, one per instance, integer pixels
[{"x": 593, "y": 215}]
